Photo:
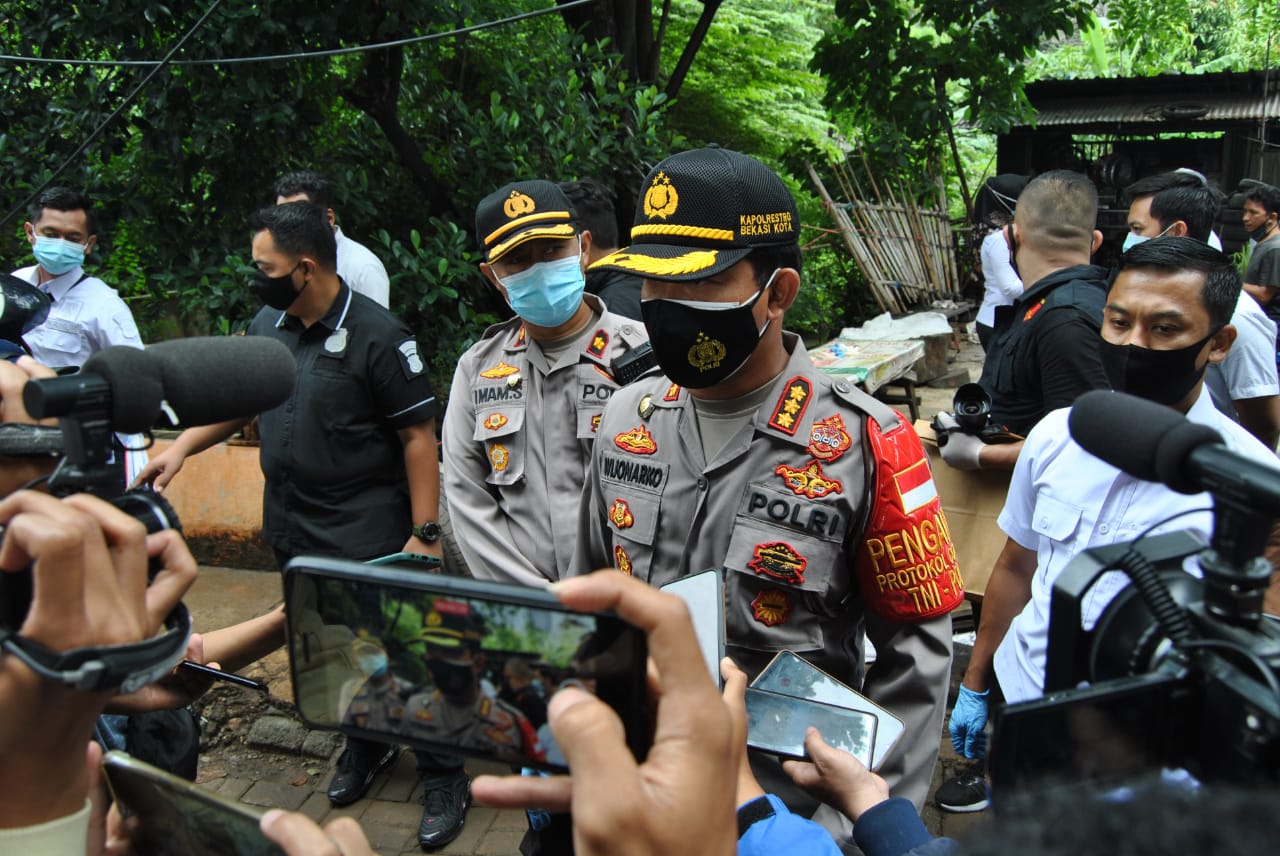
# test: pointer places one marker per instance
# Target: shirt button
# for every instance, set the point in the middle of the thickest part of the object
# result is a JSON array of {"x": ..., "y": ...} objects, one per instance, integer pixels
[
  {"x": 1044, "y": 521},
  {"x": 627, "y": 329},
  {"x": 842, "y": 387},
  {"x": 1104, "y": 529},
  {"x": 702, "y": 484}
]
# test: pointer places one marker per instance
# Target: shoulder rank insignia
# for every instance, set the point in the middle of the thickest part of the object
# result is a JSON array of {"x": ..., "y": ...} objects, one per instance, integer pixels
[
  {"x": 638, "y": 440},
  {"x": 829, "y": 439},
  {"x": 780, "y": 561},
  {"x": 621, "y": 559},
  {"x": 771, "y": 607},
  {"x": 791, "y": 405},
  {"x": 673, "y": 392},
  {"x": 494, "y": 421},
  {"x": 808, "y": 482},
  {"x": 499, "y": 457},
  {"x": 620, "y": 514},
  {"x": 599, "y": 342},
  {"x": 521, "y": 338},
  {"x": 500, "y": 370},
  {"x": 595, "y": 423}
]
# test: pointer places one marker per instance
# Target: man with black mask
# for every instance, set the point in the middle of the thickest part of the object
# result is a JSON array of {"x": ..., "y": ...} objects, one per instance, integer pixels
[
  {"x": 739, "y": 455},
  {"x": 1167, "y": 317}
]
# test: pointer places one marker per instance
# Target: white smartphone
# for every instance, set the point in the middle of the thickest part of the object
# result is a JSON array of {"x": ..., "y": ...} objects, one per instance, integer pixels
[
  {"x": 790, "y": 674},
  {"x": 777, "y": 722},
  {"x": 704, "y": 594}
]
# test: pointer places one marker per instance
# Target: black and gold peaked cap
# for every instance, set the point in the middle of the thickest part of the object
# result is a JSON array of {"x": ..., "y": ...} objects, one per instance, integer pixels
[
  {"x": 520, "y": 212},
  {"x": 701, "y": 212}
]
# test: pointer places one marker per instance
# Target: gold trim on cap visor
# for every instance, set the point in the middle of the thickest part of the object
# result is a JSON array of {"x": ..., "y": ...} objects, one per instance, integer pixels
[
  {"x": 522, "y": 221},
  {"x": 563, "y": 231},
  {"x": 705, "y": 233},
  {"x": 691, "y": 262}
]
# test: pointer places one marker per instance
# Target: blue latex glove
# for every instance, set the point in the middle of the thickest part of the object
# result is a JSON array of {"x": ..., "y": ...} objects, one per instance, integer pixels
[{"x": 968, "y": 719}]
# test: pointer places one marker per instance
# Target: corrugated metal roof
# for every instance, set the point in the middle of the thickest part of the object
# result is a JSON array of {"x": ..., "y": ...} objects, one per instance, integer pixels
[{"x": 1161, "y": 110}]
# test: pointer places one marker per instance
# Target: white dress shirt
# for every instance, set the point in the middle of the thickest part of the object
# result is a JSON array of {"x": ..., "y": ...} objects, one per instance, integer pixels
[
  {"x": 1249, "y": 371},
  {"x": 1063, "y": 500},
  {"x": 1002, "y": 283},
  {"x": 362, "y": 270}
]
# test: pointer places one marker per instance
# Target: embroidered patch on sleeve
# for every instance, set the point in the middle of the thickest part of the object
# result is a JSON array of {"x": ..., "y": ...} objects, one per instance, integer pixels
[
  {"x": 494, "y": 421},
  {"x": 791, "y": 405},
  {"x": 638, "y": 441},
  {"x": 829, "y": 439},
  {"x": 500, "y": 370},
  {"x": 499, "y": 457},
  {"x": 809, "y": 482},
  {"x": 621, "y": 559},
  {"x": 771, "y": 607},
  {"x": 599, "y": 342},
  {"x": 620, "y": 514},
  {"x": 780, "y": 561},
  {"x": 410, "y": 358},
  {"x": 915, "y": 486}
]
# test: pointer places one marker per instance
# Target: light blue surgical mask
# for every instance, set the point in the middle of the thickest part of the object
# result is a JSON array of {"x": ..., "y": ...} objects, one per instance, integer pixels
[
  {"x": 1132, "y": 239},
  {"x": 58, "y": 255},
  {"x": 547, "y": 293}
]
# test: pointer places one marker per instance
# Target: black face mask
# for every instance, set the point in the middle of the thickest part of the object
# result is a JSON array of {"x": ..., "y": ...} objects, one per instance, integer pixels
[
  {"x": 276, "y": 291},
  {"x": 1260, "y": 233},
  {"x": 1164, "y": 377},
  {"x": 451, "y": 678},
  {"x": 701, "y": 344}
]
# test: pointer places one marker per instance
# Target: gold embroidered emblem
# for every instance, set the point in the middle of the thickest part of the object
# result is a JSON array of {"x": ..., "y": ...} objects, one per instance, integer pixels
[
  {"x": 499, "y": 457},
  {"x": 706, "y": 353},
  {"x": 638, "y": 441},
  {"x": 661, "y": 199},
  {"x": 620, "y": 514},
  {"x": 494, "y": 421},
  {"x": 771, "y": 607},
  {"x": 622, "y": 560},
  {"x": 809, "y": 482},
  {"x": 500, "y": 370},
  {"x": 517, "y": 205}
]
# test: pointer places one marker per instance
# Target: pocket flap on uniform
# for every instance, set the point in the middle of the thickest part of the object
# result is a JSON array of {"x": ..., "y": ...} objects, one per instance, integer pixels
[
  {"x": 634, "y": 517},
  {"x": 498, "y": 422},
  {"x": 781, "y": 555},
  {"x": 1055, "y": 519}
]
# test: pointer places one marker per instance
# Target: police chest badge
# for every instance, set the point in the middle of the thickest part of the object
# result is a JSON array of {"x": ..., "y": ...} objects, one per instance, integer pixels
[
  {"x": 336, "y": 344},
  {"x": 620, "y": 514},
  {"x": 410, "y": 359},
  {"x": 706, "y": 353},
  {"x": 499, "y": 457},
  {"x": 500, "y": 370},
  {"x": 637, "y": 441},
  {"x": 829, "y": 439},
  {"x": 780, "y": 561},
  {"x": 771, "y": 607},
  {"x": 621, "y": 560},
  {"x": 809, "y": 482},
  {"x": 494, "y": 421}
]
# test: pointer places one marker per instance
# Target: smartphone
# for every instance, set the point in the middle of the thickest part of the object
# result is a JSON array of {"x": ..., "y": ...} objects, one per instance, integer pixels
[
  {"x": 180, "y": 818},
  {"x": 790, "y": 674},
  {"x": 218, "y": 674},
  {"x": 392, "y": 654},
  {"x": 776, "y": 723},
  {"x": 409, "y": 560},
  {"x": 704, "y": 595}
]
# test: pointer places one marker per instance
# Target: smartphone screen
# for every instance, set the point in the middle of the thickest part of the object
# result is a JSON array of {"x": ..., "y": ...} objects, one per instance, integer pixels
[
  {"x": 179, "y": 818},
  {"x": 776, "y": 723},
  {"x": 452, "y": 664},
  {"x": 790, "y": 674},
  {"x": 704, "y": 595}
]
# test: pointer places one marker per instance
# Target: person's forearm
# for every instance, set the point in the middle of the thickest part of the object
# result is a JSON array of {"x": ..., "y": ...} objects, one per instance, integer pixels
[
  {"x": 196, "y": 440},
  {"x": 999, "y": 456},
  {"x": 1260, "y": 293},
  {"x": 1007, "y": 592},
  {"x": 422, "y": 464},
  {"x": 1261, "y": 418},
  {"x": 237, "y": 646}
]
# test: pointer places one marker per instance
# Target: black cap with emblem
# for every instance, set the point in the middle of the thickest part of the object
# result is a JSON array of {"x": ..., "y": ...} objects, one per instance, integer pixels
[
  {"x": 520, "y": 212},
  {"x": 703, "y": 211}
]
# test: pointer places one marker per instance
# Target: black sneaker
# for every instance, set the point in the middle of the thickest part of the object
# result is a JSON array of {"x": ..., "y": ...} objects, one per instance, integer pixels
[
  {"x": 445, "y": 799},
  {"x": 966, "y": 792},
  {"x": 357, "y": 766}
]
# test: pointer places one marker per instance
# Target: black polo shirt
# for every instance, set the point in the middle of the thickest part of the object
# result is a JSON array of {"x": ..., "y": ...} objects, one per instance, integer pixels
[
  {"x": 333, "y": 462},
  {"x": 1044, "y": 351}
]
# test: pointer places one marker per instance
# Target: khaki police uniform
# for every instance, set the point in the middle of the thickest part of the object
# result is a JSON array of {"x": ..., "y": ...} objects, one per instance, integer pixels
[
  {"x": 517, "y": 441},
  {"x": 488, "y": 723},
  {"x": 782, "y": 508}
]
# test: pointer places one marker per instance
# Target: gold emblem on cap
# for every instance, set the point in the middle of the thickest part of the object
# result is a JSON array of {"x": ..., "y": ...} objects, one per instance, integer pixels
[
  {"x": 706, "y": 353},
  {"x": 517, "y": 205},
  {"x": 661, "y": 199}
]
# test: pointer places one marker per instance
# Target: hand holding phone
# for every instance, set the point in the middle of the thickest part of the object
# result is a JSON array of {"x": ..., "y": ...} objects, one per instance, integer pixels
[
  {"x": 778, "y": 723},
  {"x": 219, "y": 675}
]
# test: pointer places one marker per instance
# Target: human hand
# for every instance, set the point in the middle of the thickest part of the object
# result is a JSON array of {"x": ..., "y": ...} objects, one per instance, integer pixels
[
  {"x": 13, "y": 377},
  {"x": 179, "y": 688},
  {"x": 160, "y": 469},
  {"x": 89, "y": 562},
  {"x": 680, "y": 800},
  {"x": 422, "y": 548},
  {"x": 960, "y": 450},
  {"x": 299, "y": 835},
  {"x": 968, "y": 719},
  {"x": 836, "y": 777},
  {"x": 735, "y": 698}
]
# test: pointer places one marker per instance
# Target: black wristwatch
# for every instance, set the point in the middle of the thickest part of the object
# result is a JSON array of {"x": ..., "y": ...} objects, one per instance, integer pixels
[{"x": 428, "y": 532}]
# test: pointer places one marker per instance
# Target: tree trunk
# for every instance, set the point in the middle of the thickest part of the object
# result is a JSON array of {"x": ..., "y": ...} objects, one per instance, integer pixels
[
  {"x": 709, "y": 9},
  {"x": 944, "y": 104}
]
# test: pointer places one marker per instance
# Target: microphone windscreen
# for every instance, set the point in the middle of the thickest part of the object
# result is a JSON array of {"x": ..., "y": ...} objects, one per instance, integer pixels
[
  {"x": 1140, "y": 437},
  {"x": 218, "y": 378},
  {"x": 135, "y": 382}
]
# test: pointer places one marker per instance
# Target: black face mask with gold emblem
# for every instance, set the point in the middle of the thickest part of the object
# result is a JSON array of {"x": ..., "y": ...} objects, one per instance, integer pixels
[{"x": 702, "y": 343}]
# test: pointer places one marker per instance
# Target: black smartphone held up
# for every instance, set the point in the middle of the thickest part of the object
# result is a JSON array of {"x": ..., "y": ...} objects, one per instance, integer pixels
[
  {"x": 452, "y": 664},
  {"x": 776, "y": 723},
  {"x": 180, "y": 818},
  {"x": 219, "y": 675}
]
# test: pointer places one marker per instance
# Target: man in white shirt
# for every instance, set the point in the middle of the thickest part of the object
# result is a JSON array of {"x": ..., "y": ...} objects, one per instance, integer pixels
[
  {"x": 1165, "y": 321},
  {"x": 358, "y": 267}
]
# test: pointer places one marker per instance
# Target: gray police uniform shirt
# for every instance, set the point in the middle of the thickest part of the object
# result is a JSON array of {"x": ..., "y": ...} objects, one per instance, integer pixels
[
  {"x": 518, "y": 434},
  {"x": 784, "y": 522}
]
